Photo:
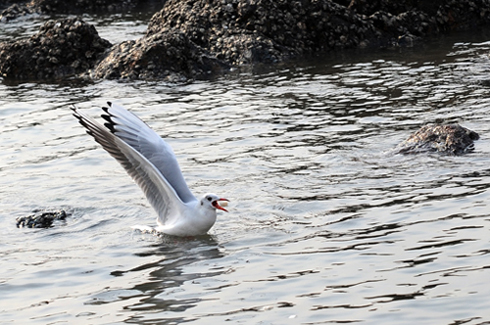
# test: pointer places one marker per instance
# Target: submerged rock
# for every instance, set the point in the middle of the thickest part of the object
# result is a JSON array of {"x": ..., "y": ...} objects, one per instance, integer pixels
[
  {"x": 60, "y": 49},
  {"x": 450, "y": 139},
  {"x": 41, "y": 219}
]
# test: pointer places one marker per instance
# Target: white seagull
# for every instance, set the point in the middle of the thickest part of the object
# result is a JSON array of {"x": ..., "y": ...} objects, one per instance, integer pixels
[{"x": 152, "y": 164}]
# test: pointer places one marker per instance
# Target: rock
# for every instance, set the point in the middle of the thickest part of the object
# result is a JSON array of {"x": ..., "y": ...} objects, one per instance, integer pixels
[
  {"x": 74, "y": 7},
  {"x": 262, "y": 31},
  {"x": 170, "y": 56},
  {"x": 78, "y": 6},
  {"x": 13, "y": 12},
  {"x": 196, "y": 39},
  {"x": 190, "y": 39},
  {"x": 41, "y": 219},
  {"x": 236, "y": 33},
  {"x": 451, "y": 139},
  {"x": 60, "y": 49},
  {"x": 422, "y": 18}
]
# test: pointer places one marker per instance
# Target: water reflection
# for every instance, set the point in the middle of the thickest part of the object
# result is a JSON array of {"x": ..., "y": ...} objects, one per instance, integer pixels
[{"x": 160, "y": 279}]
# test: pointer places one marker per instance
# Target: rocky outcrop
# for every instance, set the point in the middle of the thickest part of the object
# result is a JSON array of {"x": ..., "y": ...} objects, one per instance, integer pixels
[
  {"x": 235, "y": 33},
  {"x": 451, "y": 139},
  {"x": 243, "y": 32},
  {"x": 14, "y": 11},
  {"x": 61, "y": 49},
  {"x": 41, "y": 219},
  {"x": 198, "y": 38},
  {"x": 423, "y": 17},
  {"x": 189, "y": 39},
  {"x": 169, "y": 56}
]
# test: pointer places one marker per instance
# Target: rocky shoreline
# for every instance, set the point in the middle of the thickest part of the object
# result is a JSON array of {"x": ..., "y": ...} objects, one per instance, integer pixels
[{"x": 196, "y": 39}]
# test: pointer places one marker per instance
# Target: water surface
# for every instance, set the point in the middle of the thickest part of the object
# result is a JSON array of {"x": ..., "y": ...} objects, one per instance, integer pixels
[{"x": 325, "y": 225}]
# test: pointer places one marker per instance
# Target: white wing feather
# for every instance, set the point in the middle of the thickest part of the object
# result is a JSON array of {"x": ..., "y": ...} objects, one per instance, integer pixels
[
  {"x": 158, "y": 190},
  {"x": 136, "y": 133}
]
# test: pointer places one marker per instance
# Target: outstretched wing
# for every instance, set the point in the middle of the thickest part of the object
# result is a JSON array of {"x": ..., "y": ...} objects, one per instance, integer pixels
[
  {"x": 136, "y": 133},
  {"x": 159, "y": 192}
]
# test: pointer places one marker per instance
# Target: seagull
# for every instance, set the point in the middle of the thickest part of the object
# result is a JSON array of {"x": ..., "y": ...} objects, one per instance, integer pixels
[{"x": 152, "y": 164}]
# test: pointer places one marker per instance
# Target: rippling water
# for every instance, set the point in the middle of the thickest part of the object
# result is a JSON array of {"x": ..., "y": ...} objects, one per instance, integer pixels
[{"x": 325, "y": 225}]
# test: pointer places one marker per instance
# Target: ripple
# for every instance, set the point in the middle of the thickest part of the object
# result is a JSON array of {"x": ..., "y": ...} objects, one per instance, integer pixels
[{"x": 325, "y": 225}]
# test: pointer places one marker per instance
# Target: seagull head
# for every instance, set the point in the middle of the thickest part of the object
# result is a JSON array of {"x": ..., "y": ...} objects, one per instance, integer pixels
[{"x": 211, "y": 201}]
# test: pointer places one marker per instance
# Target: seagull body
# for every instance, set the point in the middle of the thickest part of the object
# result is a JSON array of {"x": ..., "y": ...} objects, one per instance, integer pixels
[{"x": 152, "y": 164}]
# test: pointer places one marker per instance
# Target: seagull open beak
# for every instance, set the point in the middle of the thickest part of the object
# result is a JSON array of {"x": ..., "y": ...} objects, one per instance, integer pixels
[{"x": 217, "y": 206}]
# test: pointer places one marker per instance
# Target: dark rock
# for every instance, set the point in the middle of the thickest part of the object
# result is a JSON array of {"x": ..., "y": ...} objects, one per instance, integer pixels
[
  {"x": 41, "y": 219},
  {"x": 74, "y": 7},
  {"x": 14, "y": 11},
  {"x": 198, "y": 38},
  {"x": 77, "y": 6},
  {"x": 450, "y": 139},
  {"x": 422, "y": 18},
  {"x": 243, "y": 32},
  {"x": 169, "y": 56},
  {"x": 61, "y": 49},
  {"x": 262, "y": 31}
]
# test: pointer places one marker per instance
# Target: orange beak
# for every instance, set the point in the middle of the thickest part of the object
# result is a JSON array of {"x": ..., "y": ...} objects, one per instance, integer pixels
[{"x": 217, "y": 206}]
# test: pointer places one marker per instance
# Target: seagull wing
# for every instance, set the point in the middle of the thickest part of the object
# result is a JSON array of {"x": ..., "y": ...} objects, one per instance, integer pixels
[
  {"x": 137, "y": 134},
  {"x": 159, "y": 192}
]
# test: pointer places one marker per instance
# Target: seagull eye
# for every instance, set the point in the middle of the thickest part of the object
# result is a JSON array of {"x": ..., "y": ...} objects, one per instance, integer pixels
[{"x": 210, "y": 199}]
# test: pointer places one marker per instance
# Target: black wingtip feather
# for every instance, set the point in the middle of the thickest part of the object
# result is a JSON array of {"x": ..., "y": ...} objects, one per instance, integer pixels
[
  {"x": 107, "y": 118},
  {"x": 110, "y": 126},
  {"x": 110, "y": 122}
]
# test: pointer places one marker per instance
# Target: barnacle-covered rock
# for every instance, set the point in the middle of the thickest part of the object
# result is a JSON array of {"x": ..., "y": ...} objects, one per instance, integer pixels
[
  {"x": 450, "y": 139},
  {"x": 264, "y": 31},
  {"x": 41, "y": 219},
  {"x": 14, "y": 11},
  {"x": 170, "y": 56},
  {"x": 60, "y": 49},
  {"x": 189, "y": 39}
]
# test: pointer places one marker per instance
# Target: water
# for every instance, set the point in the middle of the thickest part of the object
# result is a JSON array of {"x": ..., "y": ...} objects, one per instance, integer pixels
[{"x": 325, "y": 226}]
